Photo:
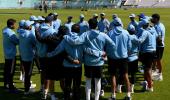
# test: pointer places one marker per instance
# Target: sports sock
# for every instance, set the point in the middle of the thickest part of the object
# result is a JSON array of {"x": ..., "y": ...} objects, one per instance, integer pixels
[
  {"x": 88, "y": 88},
  {"x": 97, "y": 88},
  {"x": 46, "y": 91},
  {"x": 128, "y": 94}
]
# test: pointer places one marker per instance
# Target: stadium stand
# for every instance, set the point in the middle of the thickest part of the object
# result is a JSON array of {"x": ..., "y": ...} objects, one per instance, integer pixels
[
  {"x": 131, "y": 3},
  {"x": 163, "y": 3},
  {"x": 148, "y": 3},
  {"x": 83, "y": 3},
  {"x": 52, "y": 4},
  {"x": 17, "y": 4}
]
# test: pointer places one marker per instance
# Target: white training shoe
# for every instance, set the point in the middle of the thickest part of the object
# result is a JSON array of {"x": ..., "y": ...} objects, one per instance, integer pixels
[
  {"x": 119, "y": 88},
  {"x": 29, "y": 92},
  {"x": 71, "y": 94},
  {"x": 32, "y": 87},
  {"x": 102, "y": 93},
  {"x": 32, "y": 90},
  {"x": 145, "y": 85},
  {"x": 155, "y": 78},
  {"x": 44, "y": 96},
  {"x": 160, "y": 77},
  {"x": 26, "y": 93},
  {"x": 150, "y": 89},
  {"x": 154, "y": 72}
]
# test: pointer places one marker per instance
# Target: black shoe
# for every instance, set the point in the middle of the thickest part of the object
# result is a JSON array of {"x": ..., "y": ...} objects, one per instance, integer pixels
[
  {"x": 128, "y": 98},
  {"x": 14, "y": 90},
  {"x": 113, "y": 98},
  {"x": 6, "y": 88}
]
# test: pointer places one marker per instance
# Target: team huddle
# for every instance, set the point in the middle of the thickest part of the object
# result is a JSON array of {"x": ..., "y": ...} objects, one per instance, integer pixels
[{"x": 61, "y": 51}]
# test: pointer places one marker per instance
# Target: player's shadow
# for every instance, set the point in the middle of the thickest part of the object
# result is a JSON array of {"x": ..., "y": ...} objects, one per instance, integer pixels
[
  {"x": 5, "y": 95},
  {"x": 17, "y": 71},
  {"x": 1, "y": 71},
  {"x": 5, "y": 13}
]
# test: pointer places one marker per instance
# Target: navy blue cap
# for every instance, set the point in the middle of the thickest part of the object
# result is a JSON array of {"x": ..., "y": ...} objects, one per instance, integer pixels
[
  {"x": 70, "y": 17},
  {"x": 49, "y": 18},
  {"x": 142, "y": 15}
]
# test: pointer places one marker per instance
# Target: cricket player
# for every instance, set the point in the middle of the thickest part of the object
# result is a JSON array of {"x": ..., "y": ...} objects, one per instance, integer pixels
[
  {"x": 93, "y": 65},
  {"x": 84, "y": 26},
  {"x": 10, "y": 41},
  {"x": 147, "y": 50},
  {"x": 133, "y": 21},
  {"x": 160, "y": 29},
  {"x": 20, "y": 31},
  {"x": 56, "y": 22},
  {"x": 114, "y": 16},
  {"x": 133, "y": 56},
  {"x": 118, "y": 59},
  {"x": 46, "y": 30},
  {"x": 103, "y": 25},
  {"x": 73, "y": 71},
  {"x": 69, "y": 23},
  {"x": 27, "y": 43}
]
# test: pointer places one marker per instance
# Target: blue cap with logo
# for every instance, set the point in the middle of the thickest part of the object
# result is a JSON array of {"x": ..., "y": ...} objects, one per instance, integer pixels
[
  {"x": 142, "y": 15},
  {"x": 40, "y": 18},
  {"x": 28, "y": 23},
  {"x": 22, "y": 23},
  {"x": 33, "y": 18},
  {"x": 144, "y": 22},
  {"x": 131, "y": 28},
  {"x": 117, "y": 21},
  {"x": 81, "y": 16}
]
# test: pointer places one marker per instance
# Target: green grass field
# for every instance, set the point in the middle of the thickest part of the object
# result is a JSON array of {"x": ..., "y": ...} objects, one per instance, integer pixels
[{"x": 161, "y": 89}]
